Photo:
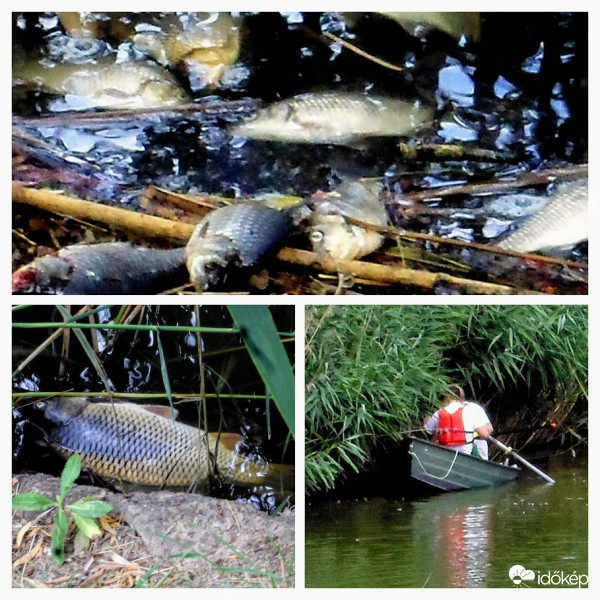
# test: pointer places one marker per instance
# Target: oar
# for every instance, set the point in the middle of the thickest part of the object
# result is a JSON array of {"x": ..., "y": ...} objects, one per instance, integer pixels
[{"x": 521, "y": 459}]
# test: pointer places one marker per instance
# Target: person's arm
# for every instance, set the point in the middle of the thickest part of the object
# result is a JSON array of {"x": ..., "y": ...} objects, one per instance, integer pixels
[
  {"x": 430, "y": 424},
  {"x": 485, "y": 430},
  {"x": 480, "y": 421}
]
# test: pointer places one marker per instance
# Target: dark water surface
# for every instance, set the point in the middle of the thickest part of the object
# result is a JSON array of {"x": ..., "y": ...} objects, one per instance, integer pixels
[
  {"x": 132, "y": 362},
  {"x": 460, "y": 539}
]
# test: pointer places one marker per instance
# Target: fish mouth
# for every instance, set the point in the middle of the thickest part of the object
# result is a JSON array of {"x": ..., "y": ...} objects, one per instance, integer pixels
[{"x": 204, "y": 273}]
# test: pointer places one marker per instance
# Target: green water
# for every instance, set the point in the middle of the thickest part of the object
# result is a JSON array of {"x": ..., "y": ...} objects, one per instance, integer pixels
[{"x": 460, "y": 539}]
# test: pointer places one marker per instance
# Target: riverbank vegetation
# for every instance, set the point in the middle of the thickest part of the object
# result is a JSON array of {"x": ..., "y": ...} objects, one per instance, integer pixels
[{"x": 374, "y": 372}]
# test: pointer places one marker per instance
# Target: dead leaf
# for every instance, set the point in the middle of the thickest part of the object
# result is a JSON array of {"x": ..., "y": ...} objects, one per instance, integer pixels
[
  {"x": 22, "y": 532},
  {"x": 33, "y": 553}
]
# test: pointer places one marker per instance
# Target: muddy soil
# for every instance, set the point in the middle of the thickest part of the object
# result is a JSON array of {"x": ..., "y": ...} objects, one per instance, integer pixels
[{"x": 145, "y": 538}]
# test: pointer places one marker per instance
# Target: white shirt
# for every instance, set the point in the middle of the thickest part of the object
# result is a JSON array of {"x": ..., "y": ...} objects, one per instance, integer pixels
[{"x": 473, "y": 416}]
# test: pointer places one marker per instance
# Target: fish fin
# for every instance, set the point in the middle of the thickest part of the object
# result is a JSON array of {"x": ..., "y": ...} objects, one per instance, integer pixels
[
  {"x": 228, "y": 440},
  {"x": 161, "y": 411},
  {"x": 281, "y": 477}
]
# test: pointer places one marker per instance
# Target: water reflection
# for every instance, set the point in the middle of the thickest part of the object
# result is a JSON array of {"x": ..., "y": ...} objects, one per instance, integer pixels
[
  {"x": 464, "y": 545},
  {"x": 460, "y": 539},
  {"x": 459, "y": 530}
]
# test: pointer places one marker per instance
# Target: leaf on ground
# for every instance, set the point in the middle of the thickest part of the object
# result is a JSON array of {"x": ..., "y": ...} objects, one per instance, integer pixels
[
  {"x": 22, "y": 533},
  {"x": 31, "y": 555},
  {"x": 91, "y": 508},
  {"x": 108, "y": 523}
]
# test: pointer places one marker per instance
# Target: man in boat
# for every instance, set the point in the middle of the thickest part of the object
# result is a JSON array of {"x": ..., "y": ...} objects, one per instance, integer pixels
[{"x": 462, "y": 425}]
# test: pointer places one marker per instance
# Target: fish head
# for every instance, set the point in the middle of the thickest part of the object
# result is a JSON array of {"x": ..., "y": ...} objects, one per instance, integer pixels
[
  {"x": 206, "y": 271},
  {"x": 273, "y": 123},
  {"x": 207, "y": 257},
  {"x": 334, "y": 236},
  {"x": 47, "y": 275},
  {"x": 61, "y": 410}
]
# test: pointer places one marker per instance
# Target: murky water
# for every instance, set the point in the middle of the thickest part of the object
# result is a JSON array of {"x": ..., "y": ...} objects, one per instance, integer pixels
[
  {"x": 461, "y": 539},
  {"x": 131, "y": 360}
]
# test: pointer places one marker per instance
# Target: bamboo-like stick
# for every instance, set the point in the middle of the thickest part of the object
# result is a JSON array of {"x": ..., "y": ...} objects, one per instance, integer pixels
[
  {"x": 389, "y": 274},
  {"x": 508, "y": 450},
  {"x": 139, "y": 226}
]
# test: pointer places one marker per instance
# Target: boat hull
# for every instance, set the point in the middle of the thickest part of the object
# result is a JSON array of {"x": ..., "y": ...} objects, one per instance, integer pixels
[{"x": 448, "y": 470}]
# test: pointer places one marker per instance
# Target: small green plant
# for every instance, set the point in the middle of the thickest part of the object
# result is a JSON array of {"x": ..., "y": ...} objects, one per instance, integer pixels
[{"x": 83, "y": 512}]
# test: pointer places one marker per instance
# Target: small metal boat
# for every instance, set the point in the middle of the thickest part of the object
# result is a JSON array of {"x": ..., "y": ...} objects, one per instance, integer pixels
[{"x": 446, "y": 469}]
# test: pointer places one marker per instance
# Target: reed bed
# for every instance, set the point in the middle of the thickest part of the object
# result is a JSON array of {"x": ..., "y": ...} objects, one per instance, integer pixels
[{"x": 374, "y": 372}]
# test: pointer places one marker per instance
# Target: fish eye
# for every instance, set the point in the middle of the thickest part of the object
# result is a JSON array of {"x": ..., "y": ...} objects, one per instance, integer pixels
[
  {"x": 316, "y": 236},
  {"x": 41, "y": 405}
]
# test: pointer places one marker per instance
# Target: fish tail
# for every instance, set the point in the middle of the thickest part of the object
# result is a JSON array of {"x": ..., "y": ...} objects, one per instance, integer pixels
[
  {"x": 246, "y": 470},
  {"x": 280, "y": 477}
]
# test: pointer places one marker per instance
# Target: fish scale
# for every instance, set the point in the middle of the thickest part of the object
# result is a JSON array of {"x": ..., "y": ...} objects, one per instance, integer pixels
[
  {"x": 333, "y": 118},
  {"x": 562, "y": 222},
  {"x": 133, "y": 444},
  {"x": 235, "y": 236}
]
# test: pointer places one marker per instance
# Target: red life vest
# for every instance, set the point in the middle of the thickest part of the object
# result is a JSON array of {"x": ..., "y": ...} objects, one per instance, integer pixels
[{"x": 451, "y": 429}]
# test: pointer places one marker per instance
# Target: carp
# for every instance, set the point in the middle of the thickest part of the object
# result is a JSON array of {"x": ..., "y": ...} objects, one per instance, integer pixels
[
  {"x": 333, "y": 118},
  {"x": 202, "y": 45},
  {"x": 331, "y": 232},
  {"x": 233, "y": 237},
  {"x": 104, "y": 85},
  {"x": 562, "y": 222},
  {"x": 106, "y": 268},
  {"x": 455, "y": 24},
  {"x": 135, "y": 444}
]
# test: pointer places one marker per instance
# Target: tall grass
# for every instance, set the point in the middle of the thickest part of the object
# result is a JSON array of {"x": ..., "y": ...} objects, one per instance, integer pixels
[{"x": 373, "y": 372}]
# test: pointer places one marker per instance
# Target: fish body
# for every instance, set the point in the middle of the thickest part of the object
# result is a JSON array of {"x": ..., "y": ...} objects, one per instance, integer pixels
[
  {"x": 202, "y": 45},
  {"x": 233, "y": 237},
  {"x": 109, "y": 268},
  {"x": 330, "y": 231},
  {"x": 143, "y": 445},
  {"x": 562, "y": 222},
  {"x": 455, "y": 24},
  {"x": 333, "y": 118},
  {"x": 105, "y": 85},
  {"x": 513, "y": 206}
]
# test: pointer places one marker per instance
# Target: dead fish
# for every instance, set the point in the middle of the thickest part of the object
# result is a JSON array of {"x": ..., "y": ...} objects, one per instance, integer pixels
[
  {"x": 455, "y": 24},
  {"x": 330, "y": 231},
  {"x": 109, "y": 268},
  {"x": 202, "y": 45},
  {"x": 233, "y": 237},
  {"x": 512, "y": 206},
  {"x": 562, "y": 222},
  {"x": 143, "y": 445},
  {"x": 127, "y": 85},
  {"x": 333, "y": 118},
  {"x": 93, "y": 25}
]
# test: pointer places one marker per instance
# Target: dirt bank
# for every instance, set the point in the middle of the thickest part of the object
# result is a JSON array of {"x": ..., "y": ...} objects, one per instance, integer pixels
[{"x": 230, "y": 544}]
